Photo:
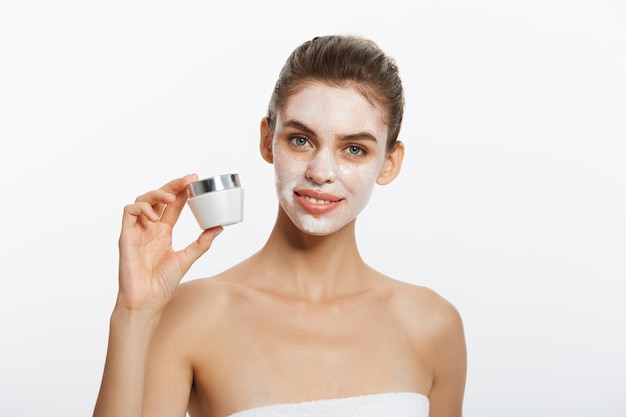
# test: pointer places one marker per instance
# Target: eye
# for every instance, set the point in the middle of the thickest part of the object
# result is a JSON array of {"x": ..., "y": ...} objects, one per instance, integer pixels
[
  {"x": 356, "y": 150},
  {"x": 299, "y": 141}
]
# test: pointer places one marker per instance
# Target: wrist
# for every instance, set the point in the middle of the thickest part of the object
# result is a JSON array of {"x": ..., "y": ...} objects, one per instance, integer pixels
[
  {"x": 141, "y": 316},
  {"x": 134, "y": 307}
]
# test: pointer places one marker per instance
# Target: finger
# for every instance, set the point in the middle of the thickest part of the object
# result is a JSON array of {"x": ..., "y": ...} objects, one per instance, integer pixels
[
  {"x": 171, "y": 213},
  {"x": 158, "y": 199},
  {"x": 179, "y": 184},
  {"x": 196, "y": 249},
  {"x": 132, "y": 213},
  {"x": 171, "y": 188}
]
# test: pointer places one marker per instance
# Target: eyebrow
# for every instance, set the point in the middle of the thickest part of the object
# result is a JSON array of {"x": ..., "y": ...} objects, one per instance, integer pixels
[
  {"x": 300, "y": 126},
  {"x": 296, "y": 124}
]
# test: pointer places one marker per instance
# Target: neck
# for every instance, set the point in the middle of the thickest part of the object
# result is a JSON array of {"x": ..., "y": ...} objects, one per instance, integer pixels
[{"x": 315, "y": 268}]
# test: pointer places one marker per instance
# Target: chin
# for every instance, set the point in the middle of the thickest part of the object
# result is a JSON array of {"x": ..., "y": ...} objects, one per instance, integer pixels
[
  {"x": 319, "y": 233},
  {"x": 317, "y": 226}
]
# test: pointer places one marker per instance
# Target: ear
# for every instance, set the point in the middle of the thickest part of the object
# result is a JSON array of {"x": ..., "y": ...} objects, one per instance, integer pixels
[
  {"x": 265, "y": 145},
  {"x": 392, "y": 165}
]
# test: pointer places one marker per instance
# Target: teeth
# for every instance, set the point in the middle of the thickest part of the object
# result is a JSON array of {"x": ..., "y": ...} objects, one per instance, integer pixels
[{"x": 316, "y": 201}]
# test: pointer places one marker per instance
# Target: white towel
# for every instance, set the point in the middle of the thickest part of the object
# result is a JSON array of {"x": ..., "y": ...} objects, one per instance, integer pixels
[{"x": 396, "y": 404}]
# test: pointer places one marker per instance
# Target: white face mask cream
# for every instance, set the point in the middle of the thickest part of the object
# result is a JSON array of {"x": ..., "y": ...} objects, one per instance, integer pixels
[
  {"x": 329, "y": 148},
  {"x": 216, "y": 201}
]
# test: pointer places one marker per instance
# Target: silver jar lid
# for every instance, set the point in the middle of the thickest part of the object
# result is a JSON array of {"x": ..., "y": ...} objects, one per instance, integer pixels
[{"x": 218, "y": 183}]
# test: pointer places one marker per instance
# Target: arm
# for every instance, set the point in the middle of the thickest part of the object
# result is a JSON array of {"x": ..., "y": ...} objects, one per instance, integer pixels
[
  {"x": 122, "y": 385},
  {"x": 449, "y": 359},
  {"x": 149, "y": 272}
]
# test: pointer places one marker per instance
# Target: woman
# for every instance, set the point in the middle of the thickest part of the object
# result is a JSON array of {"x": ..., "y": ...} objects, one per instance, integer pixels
[{"x": 304, "y": 325}]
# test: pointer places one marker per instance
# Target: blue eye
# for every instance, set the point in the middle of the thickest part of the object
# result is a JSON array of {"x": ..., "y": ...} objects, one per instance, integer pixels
[
  {"x": 356, "y": 150},
  {"x": 299, "y": 140}
]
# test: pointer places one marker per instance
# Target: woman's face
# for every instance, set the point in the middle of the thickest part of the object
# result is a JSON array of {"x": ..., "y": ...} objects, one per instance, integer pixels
[{"x": 328, "y": 150}]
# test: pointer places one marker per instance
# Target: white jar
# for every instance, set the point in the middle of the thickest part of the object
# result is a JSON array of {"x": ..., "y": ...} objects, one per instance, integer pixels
[{"x": 216, "y": 201}]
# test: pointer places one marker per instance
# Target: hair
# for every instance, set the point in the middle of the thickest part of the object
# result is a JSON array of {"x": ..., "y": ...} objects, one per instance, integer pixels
[{"x": 344, "y": 61}]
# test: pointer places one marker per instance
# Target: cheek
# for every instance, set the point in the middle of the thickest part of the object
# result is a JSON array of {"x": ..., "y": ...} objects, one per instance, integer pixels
[
  {"x": 287, "y": 171},
  {"x": 359, "y": 179}
]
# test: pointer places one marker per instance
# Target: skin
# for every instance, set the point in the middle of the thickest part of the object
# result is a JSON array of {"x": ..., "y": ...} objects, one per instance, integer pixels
[
  {"x": 332, "y": 165},
  {"x": 305, "y": 317}
]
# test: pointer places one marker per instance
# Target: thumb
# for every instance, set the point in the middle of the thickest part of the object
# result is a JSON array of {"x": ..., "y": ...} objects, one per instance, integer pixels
[{"x": 197, "y": 248}]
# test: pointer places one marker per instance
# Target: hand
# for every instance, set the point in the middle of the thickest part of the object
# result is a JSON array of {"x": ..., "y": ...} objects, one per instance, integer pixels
[{"x": 150, "y": 269}]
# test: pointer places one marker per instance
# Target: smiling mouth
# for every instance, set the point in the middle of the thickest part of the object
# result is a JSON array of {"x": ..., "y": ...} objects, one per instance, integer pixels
[
  {"x": 317, "y": 204},
  {"x": 318, "y": 201},
  {"x": 315, "y": 200}
]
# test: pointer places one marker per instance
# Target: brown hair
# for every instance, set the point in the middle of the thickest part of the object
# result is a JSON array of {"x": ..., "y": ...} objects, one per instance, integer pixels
[{"x": 343, "y": 61}]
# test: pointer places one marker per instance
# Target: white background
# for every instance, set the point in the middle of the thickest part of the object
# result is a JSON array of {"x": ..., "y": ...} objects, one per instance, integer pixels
[{"x": 511, "y": 202}]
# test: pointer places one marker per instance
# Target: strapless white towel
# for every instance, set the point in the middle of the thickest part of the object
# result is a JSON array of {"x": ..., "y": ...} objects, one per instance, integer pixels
[{"x": 394, "y": 404}]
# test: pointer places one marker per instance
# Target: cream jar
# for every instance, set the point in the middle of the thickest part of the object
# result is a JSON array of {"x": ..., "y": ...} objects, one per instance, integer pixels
[{"x": 216, "y": 201}]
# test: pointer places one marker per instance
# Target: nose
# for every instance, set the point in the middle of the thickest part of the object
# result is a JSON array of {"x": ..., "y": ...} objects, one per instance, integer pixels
[{"x": 322, "y": 168}]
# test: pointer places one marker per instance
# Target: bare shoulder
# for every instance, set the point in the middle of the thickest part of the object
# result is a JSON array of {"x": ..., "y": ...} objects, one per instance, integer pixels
[
  {"x": 435, "y": 328},
  {"x": 197, "y": 304},
  {"x": 202, "y": 294},
  {"x": 424, "y": 312},
  {"x": 419, "y": 300}
]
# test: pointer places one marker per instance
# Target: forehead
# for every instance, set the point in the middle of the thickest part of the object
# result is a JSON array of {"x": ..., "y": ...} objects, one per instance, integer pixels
[{"x": 342, "y": 109}]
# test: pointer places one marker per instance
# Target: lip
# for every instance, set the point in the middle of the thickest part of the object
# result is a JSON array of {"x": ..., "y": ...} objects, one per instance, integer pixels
[{"x": 324, "y": 204}]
